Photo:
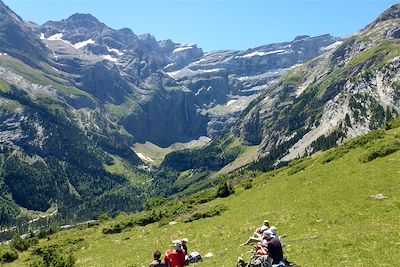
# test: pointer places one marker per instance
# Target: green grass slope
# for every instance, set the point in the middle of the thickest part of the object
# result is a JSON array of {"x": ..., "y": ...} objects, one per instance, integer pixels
[{"x": 326, "y": 206}]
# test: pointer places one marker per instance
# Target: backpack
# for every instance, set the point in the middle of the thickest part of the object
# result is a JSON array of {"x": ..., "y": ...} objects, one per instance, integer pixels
[{"x": 194, "y": 257}]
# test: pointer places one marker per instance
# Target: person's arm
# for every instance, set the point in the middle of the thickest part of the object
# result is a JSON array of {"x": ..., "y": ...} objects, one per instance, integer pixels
[{"x": 166, "y": 260}]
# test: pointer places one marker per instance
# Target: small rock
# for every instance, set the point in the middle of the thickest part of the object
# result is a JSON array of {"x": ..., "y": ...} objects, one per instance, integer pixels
[
  {"x": 378, "y": 197},
  {"x": 208, "y": 255},
  {"x": 172, "y": 223}
]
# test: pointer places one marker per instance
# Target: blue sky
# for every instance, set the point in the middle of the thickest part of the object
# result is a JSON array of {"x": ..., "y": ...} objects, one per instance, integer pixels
[{"x": 217, "y": 24}]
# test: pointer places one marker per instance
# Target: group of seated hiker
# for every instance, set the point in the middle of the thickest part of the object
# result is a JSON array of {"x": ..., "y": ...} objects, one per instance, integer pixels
[
  {"x": 174, "y": 257},
  {"x": 269, "y": 248}
]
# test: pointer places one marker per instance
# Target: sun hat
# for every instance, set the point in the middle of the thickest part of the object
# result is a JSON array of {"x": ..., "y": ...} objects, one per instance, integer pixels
[
  {"x": 177, "y": 244},
  {"x": 268, "y": 233},
  {"x": 273, "y": 230}
]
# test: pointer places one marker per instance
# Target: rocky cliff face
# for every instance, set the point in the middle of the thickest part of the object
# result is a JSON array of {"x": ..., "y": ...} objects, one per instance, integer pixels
[
  {"x": 219, "y": 79},
  {"x": 347, "y": 91}
]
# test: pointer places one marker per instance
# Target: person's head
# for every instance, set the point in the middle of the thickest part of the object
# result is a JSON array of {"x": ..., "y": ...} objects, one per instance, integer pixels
[
  {"x": 157, "y": 255},
  {"x": 266, "y": 223},
  {"x": 177, "y": 245},
  {"x": 185, "y": 240}
]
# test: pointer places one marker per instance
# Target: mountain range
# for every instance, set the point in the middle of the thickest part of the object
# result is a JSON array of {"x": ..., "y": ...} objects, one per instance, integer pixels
[{"x": 77, "y": 97}]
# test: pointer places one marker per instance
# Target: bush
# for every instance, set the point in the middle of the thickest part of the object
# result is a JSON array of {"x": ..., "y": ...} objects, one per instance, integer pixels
[
  {"x": 381, "y": 149},
  {"x": 154, "y": 202},
  {"x": 247, "y": 184},
  {"x": 103, "y": 217},
  {"x": 51, "y": 257},
  {"x": 225, "y": 189},
  {"x": 8, "y": 256},
  {"x": 21, "y": 244},
  {"x": 54, "y": 228},
  {"x": 214, "y": 211}
]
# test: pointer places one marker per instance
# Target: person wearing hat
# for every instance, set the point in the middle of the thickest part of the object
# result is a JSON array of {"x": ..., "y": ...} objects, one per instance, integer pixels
[
  {"x": 258, "y": 235},
  {"x": 157, "y": 261},
  {"x": 274, "y": 247},
  {"x": 176, "y": 256}
]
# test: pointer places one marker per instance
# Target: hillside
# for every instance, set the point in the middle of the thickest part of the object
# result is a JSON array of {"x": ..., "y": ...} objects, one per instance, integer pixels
[
  {"x": 345, "y": 92},
  {"x": 336, "y": 208}
]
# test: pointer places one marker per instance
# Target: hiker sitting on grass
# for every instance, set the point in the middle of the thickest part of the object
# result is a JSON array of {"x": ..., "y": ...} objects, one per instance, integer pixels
[
  {"x": 175, "y": 257},
  {"x": 258, "y": 235},
  {"x": 157, "y": 260},
  {"x": 274, "y": 248}
]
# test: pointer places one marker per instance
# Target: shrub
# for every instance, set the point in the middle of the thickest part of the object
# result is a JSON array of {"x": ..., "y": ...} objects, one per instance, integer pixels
[
  {"x": 211, "y": 212},
  {"x": 247, "y": 184},
  {"x": 51, "y": 257},
  {"x": 21, "y": 244},
  {"x": 225, "y": 189},
  {"x": 54, "y": 228},
  {"x": 8, "y": 256},
  {"x": 154, "y": 202},
  {"x": 103, "y": 217},
  {"x": 381, "y": 149}
]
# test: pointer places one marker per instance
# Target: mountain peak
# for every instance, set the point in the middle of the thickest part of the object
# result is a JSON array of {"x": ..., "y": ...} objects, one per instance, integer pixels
[
  {"x": 5, "y": 11},
  {"x": 392, "y": 12},
  {"x": 82, "y": 16},
  {"x": 84, "y": 20}
]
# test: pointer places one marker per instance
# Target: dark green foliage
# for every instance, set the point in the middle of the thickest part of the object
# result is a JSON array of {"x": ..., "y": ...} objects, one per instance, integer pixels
[
  {"x": 378, "y": 116},
  {"x": 381, "y": 149},
  {"x": 8, "y": 256},
  {"x": 325, "y": 142},
  {"x": 225, "y": 189},
  {"x": 8, "y": 211},
  {"x": 22, "y": 244},
  {"x": 247, "y": 184},
  {"x": 32, "y": 184},
  {"x": 267, "y": 163},
  {"x": 52, "y": 257},
  {"x": 163, "y": 182},
  {"x": 103, "y": 217},
  {"x": 347, "y": 120},
  {"x": 299, "y": 165},
  {"x": 54, "y": 228},
  {"x": 392, "y": 124},
  {"x": 213, "y": 156},
  {"x": 352, "y": 144},
  {"x": 166, "y": 211},
  {"x": 127, "y": 197},
  {"x": 59, "y": 255},
  {"x": 154, "y": 202},
  {"x": 211, "y": 212}
]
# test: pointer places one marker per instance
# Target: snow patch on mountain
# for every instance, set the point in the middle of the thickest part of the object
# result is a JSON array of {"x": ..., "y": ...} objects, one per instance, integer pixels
[
  {"x": 83, "y": 44},
  {"x": 261, "y": 53},
  {"x": 230, "y": 102},
  {"x": 332, "y": 46},
  {"x": 116, "y": 51},
  {"x": 182, "y": 48},
  {"x": 56, "y": 37},
  {"x": 109, "y": 58}
]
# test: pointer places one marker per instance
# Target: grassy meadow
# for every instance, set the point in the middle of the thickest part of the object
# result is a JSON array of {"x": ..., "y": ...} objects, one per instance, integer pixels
[{"x": 328, "y": 208}]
